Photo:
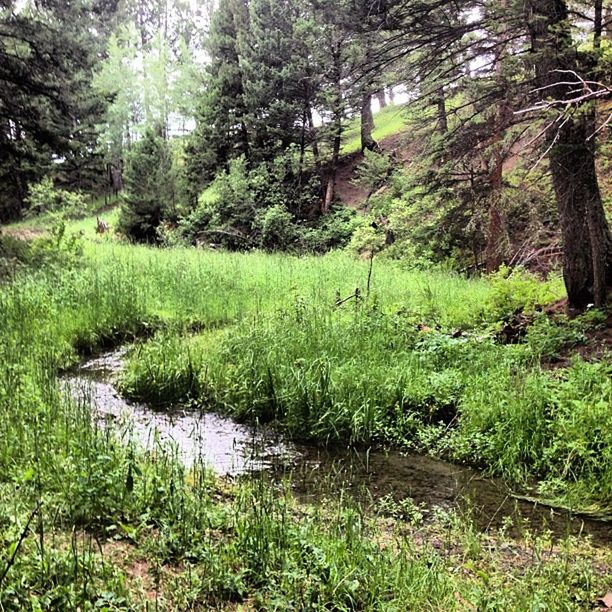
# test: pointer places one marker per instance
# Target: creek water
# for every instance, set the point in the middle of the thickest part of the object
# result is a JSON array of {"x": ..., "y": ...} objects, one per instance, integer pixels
[{"x": 234, "y": 449}]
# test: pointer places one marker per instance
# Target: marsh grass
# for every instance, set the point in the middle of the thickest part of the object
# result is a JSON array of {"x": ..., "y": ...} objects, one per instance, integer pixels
[{"x": 259, "y": 336}]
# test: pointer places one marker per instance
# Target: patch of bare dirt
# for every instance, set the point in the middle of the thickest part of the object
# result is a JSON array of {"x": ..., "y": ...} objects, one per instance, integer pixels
[
  {"x": 22, "y": 233},
  {"x": 400, "y": 146},
  {"x": 138, "y": 571},
  {"x": 350, "y": 194}
]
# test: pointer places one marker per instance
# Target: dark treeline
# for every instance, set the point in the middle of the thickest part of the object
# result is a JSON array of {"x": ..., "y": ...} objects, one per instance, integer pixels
[{"x": 507, "y": 104}]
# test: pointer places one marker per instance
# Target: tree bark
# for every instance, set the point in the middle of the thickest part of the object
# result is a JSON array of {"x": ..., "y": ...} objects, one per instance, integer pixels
[
  {"x": 442, "y": 122},
  {"x": 331, "y": 181},
  {"x": 380, "y": 96},
  {"x": 587, "y": 243},
  {"x": 494, "y": 250},
  {"x": 367, "y": 124},
  {"x": 598, "y": 25},
  {"x": 313, "y": 139}
]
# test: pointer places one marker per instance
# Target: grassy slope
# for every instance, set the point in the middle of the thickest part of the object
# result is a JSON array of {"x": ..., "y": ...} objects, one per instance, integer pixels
[
  {"x": 209, "y": 546},
  {"x": 387, "y": 122}
]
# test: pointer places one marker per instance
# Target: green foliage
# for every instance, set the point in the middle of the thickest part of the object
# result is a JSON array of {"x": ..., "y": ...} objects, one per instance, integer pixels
[
  {"x": 57, "y": 248},
  {"x": 548, "y": 337},
  {"x": 429, "y": 224},
  {"x": 171, "y": 359},
  {"x": 261, "y": 206},
  {"x": 374, "y": 170},
  {"x": 277, "y": 228},
  {"x": 48, "y": 52},
  {"x": 403, "y": 510},
  {"x": 517, "y": 290},
  {"x": 330, "y": 231},
  {"x": 149, "y": 189},
  {"x": 44, "y": 197},
  {"x": 118, "y": 79}
]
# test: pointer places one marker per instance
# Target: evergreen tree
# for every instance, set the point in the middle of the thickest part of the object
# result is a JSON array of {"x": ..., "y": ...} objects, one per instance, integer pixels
[
  {"x": 47, "y": 110},
  {"x": 272, "y": 77},
  {"x": 481, "y": 35},
  {"x": 149, "y": 195},
  {"x": 221, "y": 131}
]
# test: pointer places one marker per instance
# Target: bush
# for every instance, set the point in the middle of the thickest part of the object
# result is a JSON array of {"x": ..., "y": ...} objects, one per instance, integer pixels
[
  {"x": 43, "y": 197},
  {"x": 55, "y": 248},
  {"x": 331, "y": 231},
  {"x": 374, "y": 170},
  {"x": 262, "y": 206},
  {"x": 277, "y": 228},
  {"x": 13, "y": 254},
  {"x": 517, "y": 290}
]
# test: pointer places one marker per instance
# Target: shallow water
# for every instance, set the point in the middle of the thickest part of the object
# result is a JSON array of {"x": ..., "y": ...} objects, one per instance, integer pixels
[
  {"x": 224, "y": 445},
  {"x": 235, "y": 449}
]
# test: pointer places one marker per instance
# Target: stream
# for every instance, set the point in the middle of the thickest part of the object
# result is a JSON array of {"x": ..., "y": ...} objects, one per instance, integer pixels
[{"x": 234, "y": 449}]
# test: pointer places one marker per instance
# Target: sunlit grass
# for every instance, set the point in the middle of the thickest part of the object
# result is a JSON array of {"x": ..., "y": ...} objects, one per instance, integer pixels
[{"x": 387, "y": 122}]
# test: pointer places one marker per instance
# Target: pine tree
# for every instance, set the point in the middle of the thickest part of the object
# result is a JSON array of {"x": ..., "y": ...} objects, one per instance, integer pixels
[
  {"x": 149, "y": 188},
  {"x": 48, "y": 112},
  {"x": 221, "y": 131},
  {"x": 272, "y": 76}
]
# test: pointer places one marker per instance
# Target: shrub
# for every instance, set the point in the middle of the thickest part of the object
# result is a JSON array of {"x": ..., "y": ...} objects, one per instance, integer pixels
[
  {"x": 277, "y": 228},
  {"x": 374, "y": 170},
  {"x": 331, "y": 231},
  {"x": 517, "y": 290},
  {"x": 56, "y": 248},
  {"x": 43, "y": 197},
  {"x": 13, "y": 254},
  {"x": 258, "y": 207}
]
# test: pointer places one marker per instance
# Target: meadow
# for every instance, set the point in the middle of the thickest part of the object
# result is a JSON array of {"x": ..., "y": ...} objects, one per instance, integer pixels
[{"x": 417, "y": 362}]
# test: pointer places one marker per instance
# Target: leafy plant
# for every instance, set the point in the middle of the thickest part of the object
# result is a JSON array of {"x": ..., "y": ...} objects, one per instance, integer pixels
[
  {"x": 44, "y": 197},
  {"x": 374, "y": 170},
  {"x": 517, "y": 290}
]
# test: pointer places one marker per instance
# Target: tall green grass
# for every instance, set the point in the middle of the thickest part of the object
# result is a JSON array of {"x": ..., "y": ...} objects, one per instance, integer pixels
[
  {"x": 361, "y": 376},
  {"x": 258, "y": 335}
]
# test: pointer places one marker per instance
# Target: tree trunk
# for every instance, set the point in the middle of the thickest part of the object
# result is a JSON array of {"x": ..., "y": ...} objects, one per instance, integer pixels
[
  {"x": 587, "y": 243},
  {"x": 331, "y": 180},
  {"x": 587, "y": 269},
  {"x": 494, "y": 250},
  {"x": 367, "y": 124},
  {"x": 302, "y": 144},
  {"x": 598, "y": 25},
  {"x": 380, "y": 96},
  {"x": 442, "y": 122}
]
